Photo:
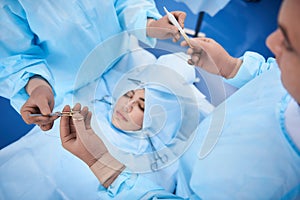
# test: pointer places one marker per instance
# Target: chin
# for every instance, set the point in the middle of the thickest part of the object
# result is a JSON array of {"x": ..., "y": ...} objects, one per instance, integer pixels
[
  {"x": 297, "y": 98},
  {"x": 114, "y": 122}
]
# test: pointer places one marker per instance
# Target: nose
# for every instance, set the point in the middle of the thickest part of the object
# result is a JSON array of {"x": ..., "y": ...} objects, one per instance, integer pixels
[
  {"x": 129, "y": 106},
  {"x": 275, "y": 41}
]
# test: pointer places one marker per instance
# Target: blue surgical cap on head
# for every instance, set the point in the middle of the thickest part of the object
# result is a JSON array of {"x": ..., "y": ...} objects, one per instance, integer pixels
[
  {"x": 162, "y": 116},
  {"x": 162, "y": 120}
]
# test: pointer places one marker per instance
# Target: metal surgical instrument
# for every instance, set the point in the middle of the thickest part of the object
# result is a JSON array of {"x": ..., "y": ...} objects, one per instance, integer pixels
[
  {"x": 104, "y": 99},
  {"x": 135, "y": 81},
  {"x": 60, "y": 114},
  {"x": 157, "y": 157}
]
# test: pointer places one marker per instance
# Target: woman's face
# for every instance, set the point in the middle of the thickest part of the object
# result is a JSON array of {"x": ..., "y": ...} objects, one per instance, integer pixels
[
  {"x": 285, "y": 44},
  {"x": 128, "y": 112}
]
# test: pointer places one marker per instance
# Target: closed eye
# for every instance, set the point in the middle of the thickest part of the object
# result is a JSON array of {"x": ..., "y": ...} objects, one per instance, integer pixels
[
  {"x": 142, "y": 104},
  {"x": 129, "y": 94}
]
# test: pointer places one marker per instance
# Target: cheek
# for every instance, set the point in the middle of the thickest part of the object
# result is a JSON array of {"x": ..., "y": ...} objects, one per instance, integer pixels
[
  {"x": 290, "y": 73},
  {"x": 120, "y": 102},
  {"x": 137, "y": 118}
]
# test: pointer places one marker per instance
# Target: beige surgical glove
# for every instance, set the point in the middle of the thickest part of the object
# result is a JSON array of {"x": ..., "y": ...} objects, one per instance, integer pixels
[
  {"x": 41, "y": 100},
  {"x": 212, "y": 57},
  {"x": 163, "y": 29},
  {"x": 78, "y": 137}
]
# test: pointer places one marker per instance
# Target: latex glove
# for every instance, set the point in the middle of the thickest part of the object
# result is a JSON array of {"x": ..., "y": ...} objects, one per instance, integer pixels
[
  {"x": 212, "y": 57},
  {"x": 41, "y": 100},
  {"x": 163, "y": 29},
  {"x": 78, "y": 137}
]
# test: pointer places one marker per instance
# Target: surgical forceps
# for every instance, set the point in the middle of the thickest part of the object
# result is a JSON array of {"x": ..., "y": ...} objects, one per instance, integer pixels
[
  {"x": 135, "y": 81},
  {"x": 104, "y": 99},
  {"x": 157, "y": 157},
  {"x": 60, "y": 114}
]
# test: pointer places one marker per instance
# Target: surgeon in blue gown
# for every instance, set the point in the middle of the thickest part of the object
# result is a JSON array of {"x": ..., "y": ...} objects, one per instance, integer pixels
[
  {"x": 249, "y": 147},
  {"x": 43, "y": 44}
]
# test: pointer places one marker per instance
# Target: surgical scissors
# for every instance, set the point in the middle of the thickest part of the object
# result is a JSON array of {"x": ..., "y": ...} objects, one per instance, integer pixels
[
  {"x": 157, "y": 157},
  {"x": 60, "y": 114}
]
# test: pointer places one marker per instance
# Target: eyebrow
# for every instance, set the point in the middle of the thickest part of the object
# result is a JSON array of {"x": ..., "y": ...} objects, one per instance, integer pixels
[
  {"x": 142, "y": 99},
  {"x": 285, "y": 35}
]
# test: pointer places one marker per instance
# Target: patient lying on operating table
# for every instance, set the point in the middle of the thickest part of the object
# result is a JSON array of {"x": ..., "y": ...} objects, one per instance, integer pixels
[
  {"x": 173, "y": 109},
  {"x": 146, "y": 120}
]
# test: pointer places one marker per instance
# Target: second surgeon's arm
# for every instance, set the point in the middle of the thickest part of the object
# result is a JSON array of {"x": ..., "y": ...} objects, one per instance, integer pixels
[
  {"x": 142, "y": 18},
  {"x": 212, "y": 57},
  {"x": 133, "y": 16}
]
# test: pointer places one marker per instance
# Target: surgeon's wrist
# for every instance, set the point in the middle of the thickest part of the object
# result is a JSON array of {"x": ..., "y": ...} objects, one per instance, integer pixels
[
  {"x": 236, "y": 66},
  {"x": 90, "y": 161},
  {"x": 150, "y": 31},
  {"x": 35, "y": 82},
  {"x": 107, "y": 169}
]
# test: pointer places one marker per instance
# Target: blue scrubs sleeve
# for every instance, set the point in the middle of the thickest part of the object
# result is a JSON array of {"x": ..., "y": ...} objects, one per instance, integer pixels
[
  {"x": 133, "y": 186},
  {"x": 253, "y": 65},
  {"x": 133, "y": 15},
  {"x": 20, "y": 56}
]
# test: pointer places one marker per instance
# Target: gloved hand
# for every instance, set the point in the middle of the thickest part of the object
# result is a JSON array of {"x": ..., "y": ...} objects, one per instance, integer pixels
[
  {"x": 78, "y": 137},
  {"x": 212, "y": 57},
  {"x": 41, "y": 100},
  {"x": 163, "y": 29}
]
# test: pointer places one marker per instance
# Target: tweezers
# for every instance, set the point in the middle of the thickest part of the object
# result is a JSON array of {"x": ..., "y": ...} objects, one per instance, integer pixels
[
  {"x": 103, "y": 100},
  {"x": 137, "y": 82},
  {"x": 174, "y": 21},
  {"x": 60, "y": 114}
]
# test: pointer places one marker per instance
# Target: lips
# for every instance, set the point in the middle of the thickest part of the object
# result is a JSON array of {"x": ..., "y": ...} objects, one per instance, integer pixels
[{"x": 121, "y": 116}]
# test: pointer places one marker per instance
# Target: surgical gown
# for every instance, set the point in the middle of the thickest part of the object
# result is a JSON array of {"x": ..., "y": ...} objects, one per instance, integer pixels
[
  {"x": 252, "y": 157},
  {"x": 52, "y": 38}
]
